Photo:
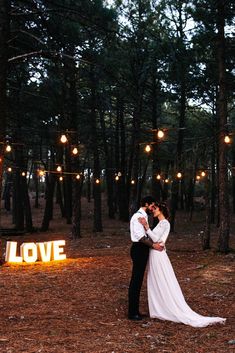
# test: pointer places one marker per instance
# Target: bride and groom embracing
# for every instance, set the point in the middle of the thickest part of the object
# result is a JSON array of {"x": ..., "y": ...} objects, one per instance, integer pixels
[{"x": 165, "y": 298}]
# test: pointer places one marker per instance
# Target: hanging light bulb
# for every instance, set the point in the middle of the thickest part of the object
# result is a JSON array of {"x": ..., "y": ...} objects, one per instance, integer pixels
[
  {"x": 119, "y": 174},
  {"x": 132, "y": 181},
  {"x": 63, "y": 138},
  {"x": 75, "y": 151},
  {"x": 97, "y": 181},
  {"x": 227, "y": 139},
  {"x": 203, "y": 173},
  {"x": 59, "y": 168},
  {"x": 179, "y": 175},
  {"x": 41, "y": 172},
  {"x": 160, "y": 134},
  {"x": 158, "y": 177},
  {"x": 166, "y": 181},
  {"x": 9, "y": 169},
  {"x": 147, "y": 148},
  {"x": 78, "y": 177},
  {"x": 61, "y": 178},
  {"x": 8, "y": 148},
  {"x": 198, "y": 177},
  {"x": 116, "y": 177},
  {"x": 23, "y": 174}
]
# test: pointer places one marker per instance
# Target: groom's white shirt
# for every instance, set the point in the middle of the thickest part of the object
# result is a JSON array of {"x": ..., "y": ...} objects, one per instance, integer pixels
[{"x": 136, "y": 228}]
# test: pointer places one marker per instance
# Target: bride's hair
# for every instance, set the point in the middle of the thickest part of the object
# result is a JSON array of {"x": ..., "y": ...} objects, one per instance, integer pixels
[{"x": 164, "y": 209}]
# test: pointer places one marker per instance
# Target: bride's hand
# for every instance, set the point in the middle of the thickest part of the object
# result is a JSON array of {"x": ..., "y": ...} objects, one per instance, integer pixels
[
  {"x": 143, "y": 221},
  {"x": 158, "y": 246}
]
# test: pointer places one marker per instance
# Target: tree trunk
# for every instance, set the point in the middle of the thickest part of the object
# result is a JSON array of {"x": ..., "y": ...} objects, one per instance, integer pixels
[
  {"x": 97, "y": 218},
  {"x": 76, "y": 217},
  {"x": 27, "y": 206},
  {"x": 213, "y": 188},
  {"x": 207, "y": 232},
  {"x": 109, "y": 174},
  {"x": 4, "y": 34},
  {"x": 124, "y": 182},
  {"x": 50, "y": 186},
  {"x": 223, "y": 240}
]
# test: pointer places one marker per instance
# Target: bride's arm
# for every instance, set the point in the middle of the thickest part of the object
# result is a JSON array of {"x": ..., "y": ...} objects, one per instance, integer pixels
[{"x": 152, "y": 234}]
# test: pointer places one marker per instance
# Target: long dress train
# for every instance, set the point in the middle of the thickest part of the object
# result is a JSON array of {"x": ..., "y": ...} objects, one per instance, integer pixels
[{"x": 165, "y": 298}]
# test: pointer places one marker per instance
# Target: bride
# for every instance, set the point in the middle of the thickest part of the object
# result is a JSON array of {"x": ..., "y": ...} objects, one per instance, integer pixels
[{"x": 165, "y": 298}]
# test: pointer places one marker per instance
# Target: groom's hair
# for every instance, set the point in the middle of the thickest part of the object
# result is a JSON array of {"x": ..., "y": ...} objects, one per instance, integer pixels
[{"x": 146, "y": 199}]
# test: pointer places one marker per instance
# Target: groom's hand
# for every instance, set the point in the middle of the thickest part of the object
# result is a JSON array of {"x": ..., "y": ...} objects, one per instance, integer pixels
[{"x": 157, "y": 246}]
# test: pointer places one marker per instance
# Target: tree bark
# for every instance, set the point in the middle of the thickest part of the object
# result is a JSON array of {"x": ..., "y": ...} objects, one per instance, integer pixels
[
  {"x": 224, "y": 228},
  {"x": 4, "y": 35},
  {"x": 50, "y": 186}
]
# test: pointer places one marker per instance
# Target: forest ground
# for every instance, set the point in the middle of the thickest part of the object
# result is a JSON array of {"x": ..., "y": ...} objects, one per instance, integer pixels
[{"x": 80, "y": 305}]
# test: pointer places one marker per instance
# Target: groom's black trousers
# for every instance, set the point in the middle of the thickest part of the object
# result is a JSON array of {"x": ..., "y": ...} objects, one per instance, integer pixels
[{"x": 139, "y": 256}]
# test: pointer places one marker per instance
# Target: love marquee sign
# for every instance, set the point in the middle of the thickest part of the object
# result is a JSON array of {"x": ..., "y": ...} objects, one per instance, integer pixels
[{"x": 32, "y": 252}]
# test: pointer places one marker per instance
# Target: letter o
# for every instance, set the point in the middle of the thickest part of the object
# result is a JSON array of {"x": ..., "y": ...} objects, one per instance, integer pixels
[{"x": 26, "y": 249}]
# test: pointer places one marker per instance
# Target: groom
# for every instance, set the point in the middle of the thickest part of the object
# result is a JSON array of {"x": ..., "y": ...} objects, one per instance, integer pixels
[{"x": 139, "y": 255}]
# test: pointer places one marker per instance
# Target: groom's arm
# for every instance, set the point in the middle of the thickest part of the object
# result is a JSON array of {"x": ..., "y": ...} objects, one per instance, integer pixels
[{"x": 147, "y": 241}]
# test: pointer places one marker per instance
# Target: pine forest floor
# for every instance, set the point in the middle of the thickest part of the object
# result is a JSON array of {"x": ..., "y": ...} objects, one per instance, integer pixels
[{"x": 80, "y": 305}]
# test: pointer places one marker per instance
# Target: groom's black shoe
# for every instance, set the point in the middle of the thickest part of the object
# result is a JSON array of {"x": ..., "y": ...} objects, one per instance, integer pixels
[{"x": 135, "y": 317}]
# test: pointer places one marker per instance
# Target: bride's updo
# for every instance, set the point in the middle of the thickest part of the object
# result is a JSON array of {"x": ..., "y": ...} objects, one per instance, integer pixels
[{"x": 164, "y": 209}]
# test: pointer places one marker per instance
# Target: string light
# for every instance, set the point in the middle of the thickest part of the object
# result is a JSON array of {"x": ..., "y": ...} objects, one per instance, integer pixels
[
  {"x": 158, "y": 177},
  {"x": 166, "y": 181},
  {"x": 198, "y": 177},
  {"x": 75, "y": 151},
  {"x": 147, "y": 148},
  {"x": 203, "y": 173},
  {"x": 8, "y": 148},
  {"x": 160, "y": 134},
  {"x": 116, "y": 177},
  {"x": 23, "y": 174},
  {"x": 60, "y": 178},
  {"x": 59, "y": 168},
  {"x": 179, "y": 175},
  {"x": 63, "y": 138},
  {"x": 227, "y": 139},
  {"x": 97, "y": 181},
  {"x": 41, "y": 172},
  {"x": 9, "y": 169},
  {"x": 132, "y": 181},
  {"x": 78, "y": 176}
]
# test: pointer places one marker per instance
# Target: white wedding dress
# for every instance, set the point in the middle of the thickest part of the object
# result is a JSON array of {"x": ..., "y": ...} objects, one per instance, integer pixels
[{"x": 165, "y": 298}]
